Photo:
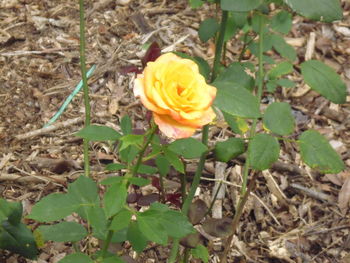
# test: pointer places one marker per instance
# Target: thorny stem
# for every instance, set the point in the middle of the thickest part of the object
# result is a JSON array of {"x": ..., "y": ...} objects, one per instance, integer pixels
[
  {"x": 106, "y": 243},
  {"x": 144, "y": 148},
  {"x": 259, "y": 94},
  {"x": 219, "y": 45},
  {"x": 198, "y": 174},
  {"x": 189, "y": 198},
  {"x": 239, "y": 210},
  {"x": 85, "y": 86}
]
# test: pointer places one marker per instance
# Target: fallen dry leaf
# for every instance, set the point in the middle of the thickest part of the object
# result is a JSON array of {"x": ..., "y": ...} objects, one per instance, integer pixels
[{"x": 344, "y": 195}]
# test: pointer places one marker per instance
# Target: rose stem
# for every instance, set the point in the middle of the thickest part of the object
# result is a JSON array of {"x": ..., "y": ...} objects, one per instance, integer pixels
[
  {"x": 219, "y": 45},
  {"x": 195, "y": 183},
  {"x": 144, "y": 148},
  {"x": 259, "y": 94},
  {"x": 218, "y": 52},
  {"x": 85, "y": 86},
  {"x": 245, "y": 192},
  {"x": 235, "y": 221},
  {"x": 132, "y": 174}
]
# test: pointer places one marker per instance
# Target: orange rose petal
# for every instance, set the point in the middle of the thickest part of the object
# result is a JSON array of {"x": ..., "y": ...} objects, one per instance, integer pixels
[
  {"x": 207, "y": 116},
  {"x": 179, "y": 97},
  {"x": 139, "y": 92},
  {"x": 171, "y": 128}
]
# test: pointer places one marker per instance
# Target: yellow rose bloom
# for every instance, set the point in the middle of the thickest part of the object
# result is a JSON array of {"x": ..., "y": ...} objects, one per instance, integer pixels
[{"x": 177, "y": 94}]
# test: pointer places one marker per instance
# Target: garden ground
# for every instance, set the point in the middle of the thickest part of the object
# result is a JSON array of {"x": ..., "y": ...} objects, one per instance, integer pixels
[{"x": 295, "y": 214}]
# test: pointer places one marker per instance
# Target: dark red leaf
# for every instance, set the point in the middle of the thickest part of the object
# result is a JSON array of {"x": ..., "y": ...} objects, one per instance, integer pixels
[
  {"x": 174, "y": 199},
  {"x": 129, "y": 69},
  {"x": 153, "y": 52},
  {"x": 155, "y": 182}
]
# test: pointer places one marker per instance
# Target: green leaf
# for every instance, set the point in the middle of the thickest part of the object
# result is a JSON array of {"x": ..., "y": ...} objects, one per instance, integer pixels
[
  {"x": 286, "y": 83},
  {"x": 136, "y": 238},
  {"x": 159, "y": 222},
  {"x": 280, "y": 69},
  {"x": 17, "y": 238},
  {"x": 139, "y": 181},
  {"x": 76, "y": 258},
  {"x": 279, "y": 119},
  {"x": 174, "y": 222},
  {"x": 271, "y": 86},
  {"x": 120, "y": 236},
  {"x": 200, "y": 252},
  {"x": 239, "y": 5},
  {"x": 115, "y": 198},
  {"x": 284, "y": 49},
  {"x": 267, "y": 45},
  {"x": 121, "y": 220},
  {"x": 231, "y": 27},
  {"x": 151, "y": 228},
  {"x": 239, "y": 18},
  {"x": 146, "y": 169},
  {"x": 97, "y": 220},
  {"x": 208, "y": 29},
  {"x": 126, "y": 125},
  {"x": 112, "y": 180},
  {"x": 263, "y": 151},
  {"x": 115, "y": 167},
  {"x": 63, "y": 232},
  {"x": 259, "y": 19},
  {"x": 322, "y": 10},
  {"x": 84, "y": 191},
  {"x": 324, "y": 80},
  {"x": 236, "y": 100},
  {"x": 282, "y": 22},
  {"x": 98, "y": 133},
  {"x": 237, "y": 125},
  {"x": 174, "y": 160},
  {"x": 129, "y": 154},
  {"x": 196, "y": 3},
  {"x": 53, "y": 207},
  {"x": 317, "y": 153},
  {"x": 188, "y": 148},
  {"x": 131, "y": 139},
  {"x": 229, "y": 149},
  {"x": 11, "y": 211},
  {"x": 163, "y": 165},
  {"x": 235, "y": 73}
]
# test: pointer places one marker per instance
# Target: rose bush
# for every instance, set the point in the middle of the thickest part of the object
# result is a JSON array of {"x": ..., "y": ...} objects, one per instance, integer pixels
[{"x": 177, "y": 94}]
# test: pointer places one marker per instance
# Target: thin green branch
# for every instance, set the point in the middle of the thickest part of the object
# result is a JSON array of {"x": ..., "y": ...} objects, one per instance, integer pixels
[
  {"x": 85, "y": 86},
  {"x": 106, "y": 243},
  {"x": 194, "y": 185},
  {"x": 235, "y": 221},
  {"x": 260, "y": 81},
  {"x": 144, "y": 148},
  {"x": 219, "y": 45}
]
